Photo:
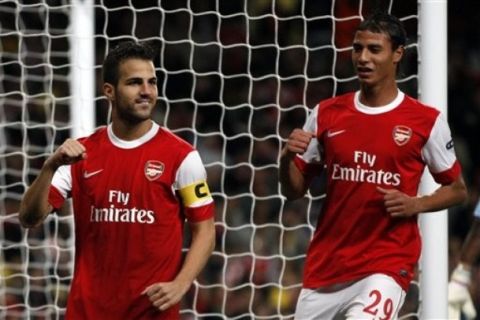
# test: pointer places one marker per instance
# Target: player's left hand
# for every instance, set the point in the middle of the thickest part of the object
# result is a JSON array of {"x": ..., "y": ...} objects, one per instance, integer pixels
[
  {"x": 163, "y": 295},
  {"x": 399, "y": 204}
]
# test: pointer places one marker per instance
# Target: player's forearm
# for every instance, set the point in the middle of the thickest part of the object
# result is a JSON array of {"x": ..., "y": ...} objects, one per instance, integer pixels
[
  {"x": 444, "y": 197},
  {"x": 34, "y": 206},
  {"x": 471, "y": 247},
  {"x": 202, "y": 245},
  {"x": 292, "y": 182}
]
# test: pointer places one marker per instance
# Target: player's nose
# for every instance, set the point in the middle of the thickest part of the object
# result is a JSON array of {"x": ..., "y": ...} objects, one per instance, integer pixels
[
  {"x": 363, "y": 56},
  {"x": 146, "y": 89}
]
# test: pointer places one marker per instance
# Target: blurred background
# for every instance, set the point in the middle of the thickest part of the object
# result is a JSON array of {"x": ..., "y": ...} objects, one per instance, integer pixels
[{"x": 235, "y": 77}]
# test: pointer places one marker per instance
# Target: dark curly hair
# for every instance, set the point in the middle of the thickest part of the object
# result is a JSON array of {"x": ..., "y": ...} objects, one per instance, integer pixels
[
  {"x": 381, "y": 22},
  {"x": 124, "y": 51}
]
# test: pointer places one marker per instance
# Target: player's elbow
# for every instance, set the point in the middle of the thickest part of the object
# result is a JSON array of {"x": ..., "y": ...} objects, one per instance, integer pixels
[
  {"x": 292, "y": 190},
  {"x": 462, "y": 195},
  {"x": 30, "y": 218},
  {"x": 292, "y": 186},
  {"x": 460, "y": 191},
  {"x": 211, "y": 238},
  {"x": 26, "y": 221},
  {"x": 212, "y": 246},
  {"x": 205, "y": 232},
  {"x": 291, "y": 193}
]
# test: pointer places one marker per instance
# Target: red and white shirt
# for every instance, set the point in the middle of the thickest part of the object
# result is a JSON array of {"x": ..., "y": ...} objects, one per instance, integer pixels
[
  {"x": 361, "y": 148},
  {"x": 130, "y": 200}
]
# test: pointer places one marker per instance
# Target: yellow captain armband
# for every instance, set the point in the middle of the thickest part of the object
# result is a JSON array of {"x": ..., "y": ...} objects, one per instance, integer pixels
[{"x": 195, "y": 193}]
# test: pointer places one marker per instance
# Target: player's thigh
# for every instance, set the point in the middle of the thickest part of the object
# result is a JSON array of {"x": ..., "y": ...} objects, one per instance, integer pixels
[
  {"x": 379, "y": 297},
  {"x": 314, "y": 305}
]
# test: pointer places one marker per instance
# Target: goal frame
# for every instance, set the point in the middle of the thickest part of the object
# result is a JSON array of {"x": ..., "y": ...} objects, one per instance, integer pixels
[{"x": 433, "y": 91}]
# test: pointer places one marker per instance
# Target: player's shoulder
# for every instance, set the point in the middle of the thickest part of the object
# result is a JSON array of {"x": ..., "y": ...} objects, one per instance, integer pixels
[
  {"x": 420, "y": 107},
  {"x": 172, "y": 140},
  {"x": 337, "y": 101},
  {"x": 98, "y": 135},
  {"x": 336, "y": 104}
]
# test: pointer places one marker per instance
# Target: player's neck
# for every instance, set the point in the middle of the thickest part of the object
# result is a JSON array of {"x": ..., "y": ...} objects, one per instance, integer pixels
[
  {"x": 128, "y": 132},
  {"x": 377, "y": 96}
]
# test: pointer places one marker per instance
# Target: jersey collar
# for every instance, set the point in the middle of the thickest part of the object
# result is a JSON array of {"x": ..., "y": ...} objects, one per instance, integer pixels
[
  {"x": 124, "y": 144},
  {"x": 378, "y": 110}
]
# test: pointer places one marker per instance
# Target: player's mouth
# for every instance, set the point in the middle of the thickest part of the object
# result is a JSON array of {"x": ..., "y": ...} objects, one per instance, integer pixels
[
  {"x": 364, "y": 72},
  {"x": 143, "y": 102}
]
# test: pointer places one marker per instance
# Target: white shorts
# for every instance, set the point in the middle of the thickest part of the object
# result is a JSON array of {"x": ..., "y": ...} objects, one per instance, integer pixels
[{"x": 375, "y": 297}]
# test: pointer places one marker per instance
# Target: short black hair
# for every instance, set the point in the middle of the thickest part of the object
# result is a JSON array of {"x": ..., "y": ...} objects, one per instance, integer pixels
[
  {"x": 124, "y": 51},
  {"x": 381, "y": 22}
]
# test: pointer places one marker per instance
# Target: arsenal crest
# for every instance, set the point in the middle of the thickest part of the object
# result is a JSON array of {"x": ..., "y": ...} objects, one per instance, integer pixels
[
  {"x": 153, "y": 169},
  {"x": 401, "y": 135}
]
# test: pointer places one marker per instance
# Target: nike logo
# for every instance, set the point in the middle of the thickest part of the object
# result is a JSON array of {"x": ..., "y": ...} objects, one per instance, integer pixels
[
  {"x": 331, "y": 133},
  {"x": 87, "y": 175}
]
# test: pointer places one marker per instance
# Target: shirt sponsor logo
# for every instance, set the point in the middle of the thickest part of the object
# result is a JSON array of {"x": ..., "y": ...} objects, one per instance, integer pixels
[
  {"x": 87, "y": 175},
  {"x": 154, "y": 169},
  {"x": 125, "y": 215},
  {"x": 120, "y": 210},
  {"x": 401, "y": 135},
  {"x": 365, "y": 171},
  {"x": 359, "y": 174}
]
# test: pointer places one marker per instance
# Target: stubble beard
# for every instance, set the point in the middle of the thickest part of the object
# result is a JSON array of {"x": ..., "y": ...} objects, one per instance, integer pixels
[{"x": 132, "y": 116}]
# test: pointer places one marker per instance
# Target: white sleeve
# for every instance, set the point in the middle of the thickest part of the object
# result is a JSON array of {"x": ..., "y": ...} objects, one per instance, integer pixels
[
  {"x": 190, "y": 171},
  {"x": 312, "y": 155},
  {"x": 62, "y": 180},
  {"x": 438, "y": 152},
  {"x": 191, "y": 181}
]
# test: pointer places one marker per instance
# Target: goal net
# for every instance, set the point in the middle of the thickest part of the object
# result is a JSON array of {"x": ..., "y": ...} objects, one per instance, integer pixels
[{"x": 235, "y": 77}]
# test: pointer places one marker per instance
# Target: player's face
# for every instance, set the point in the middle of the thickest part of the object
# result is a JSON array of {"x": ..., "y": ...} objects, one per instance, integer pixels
[
  {"x": 373, "y": 57},
  {"x": 136, "y": 93}
]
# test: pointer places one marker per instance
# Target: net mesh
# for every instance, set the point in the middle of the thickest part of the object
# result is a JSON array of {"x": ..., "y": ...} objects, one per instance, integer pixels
[{"x": 235, "y": 78}]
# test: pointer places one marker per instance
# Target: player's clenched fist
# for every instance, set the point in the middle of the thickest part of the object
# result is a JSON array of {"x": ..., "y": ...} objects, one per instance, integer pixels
[
  {"x": 69, "y": 152},
  {"x": 298, "y": 141}
]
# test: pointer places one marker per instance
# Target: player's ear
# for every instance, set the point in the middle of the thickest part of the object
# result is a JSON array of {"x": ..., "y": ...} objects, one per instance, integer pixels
[
  {"x": 109, "y": 91},
  {"x": 398, "y": 54}
]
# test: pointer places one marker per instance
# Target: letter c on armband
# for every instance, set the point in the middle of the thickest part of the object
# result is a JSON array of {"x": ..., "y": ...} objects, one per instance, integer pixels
[
  {"x": 198, "y": 190},
  {"x": 195, "y": 193}
]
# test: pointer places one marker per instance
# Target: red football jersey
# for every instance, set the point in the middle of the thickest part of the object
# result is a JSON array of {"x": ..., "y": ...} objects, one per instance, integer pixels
[
  {"x": 361, "y": 148},
  {"x": 129, "y": 220}
]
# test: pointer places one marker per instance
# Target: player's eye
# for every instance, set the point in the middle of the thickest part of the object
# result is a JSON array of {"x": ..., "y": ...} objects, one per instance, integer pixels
[
  {"x": 357, "y": 47},
  {"x": 375, "y": 49}
]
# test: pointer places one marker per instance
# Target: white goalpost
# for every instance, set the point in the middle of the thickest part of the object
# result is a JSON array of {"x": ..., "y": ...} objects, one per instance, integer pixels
[
  {"x": 83, "y": 61},
  {"x": 235, "y": 77},
  {"x": 433, "y": 91}
]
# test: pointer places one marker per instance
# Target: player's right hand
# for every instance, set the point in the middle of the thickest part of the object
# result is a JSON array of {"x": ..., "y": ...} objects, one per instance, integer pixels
[
  {"x": 459, "y": 299},
  {"x": 298, "y": 141},
  {"x": 164, "y": 295},
  {"x": 69, "y": 152}
]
